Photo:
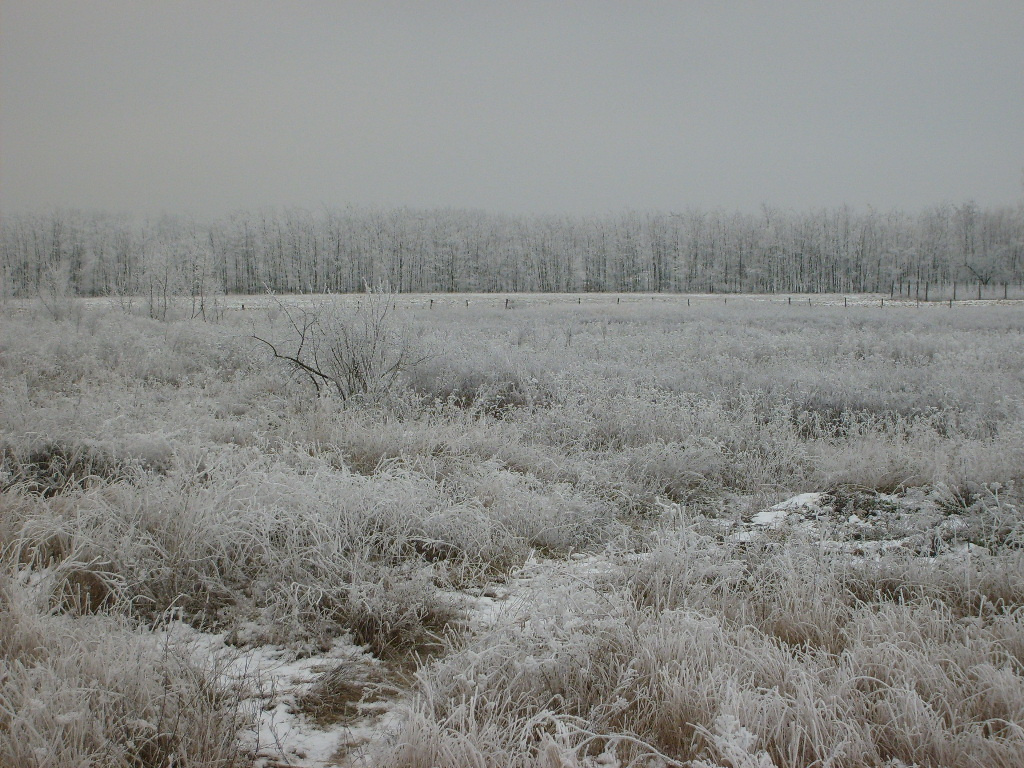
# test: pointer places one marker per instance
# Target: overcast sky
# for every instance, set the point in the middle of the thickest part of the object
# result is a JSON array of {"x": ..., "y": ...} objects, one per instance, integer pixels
[{"x": 576, "y": 107}]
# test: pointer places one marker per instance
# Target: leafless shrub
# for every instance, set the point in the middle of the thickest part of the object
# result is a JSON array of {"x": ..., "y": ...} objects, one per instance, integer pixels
[{"x": 348, "y": 353}]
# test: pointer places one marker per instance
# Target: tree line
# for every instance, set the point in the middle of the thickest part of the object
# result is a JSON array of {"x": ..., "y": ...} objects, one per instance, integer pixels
[{"x": 448, "y": 250}]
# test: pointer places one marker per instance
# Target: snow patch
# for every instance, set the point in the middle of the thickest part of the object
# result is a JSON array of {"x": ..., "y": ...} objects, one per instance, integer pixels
[
  {"x": 803, "y": 502},
  {"x": 274, "y": 679},
  {"x": 770, "y": 517}
]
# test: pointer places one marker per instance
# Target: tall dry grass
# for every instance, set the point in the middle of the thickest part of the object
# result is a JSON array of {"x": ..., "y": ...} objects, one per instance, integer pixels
[
  {"x": 152, "y": 467},
  {"x": 96, "y": 690},
  {"x": 702, "y": 656}
]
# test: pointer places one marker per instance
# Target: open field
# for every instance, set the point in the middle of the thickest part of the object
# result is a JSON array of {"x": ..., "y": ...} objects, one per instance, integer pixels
[
  {"x": 233, "y": 303},
  {"x": 573, "y": 530}
]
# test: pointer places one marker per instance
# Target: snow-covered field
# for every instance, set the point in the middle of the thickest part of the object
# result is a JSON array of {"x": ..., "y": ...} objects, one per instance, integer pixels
[
  {"x": 597, "y": 530},
  {"x": 249, "y": 303}
]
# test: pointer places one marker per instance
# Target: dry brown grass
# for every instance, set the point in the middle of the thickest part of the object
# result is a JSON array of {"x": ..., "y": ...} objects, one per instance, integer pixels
[
  {"x": 153, "y": 467},
  {"x": 95, "y": 691}
]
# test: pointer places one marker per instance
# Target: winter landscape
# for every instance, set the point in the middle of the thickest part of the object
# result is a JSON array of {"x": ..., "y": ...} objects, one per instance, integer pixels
[
  {"x": 635, "y": 529},
  {"x": 511, "y": 384}
]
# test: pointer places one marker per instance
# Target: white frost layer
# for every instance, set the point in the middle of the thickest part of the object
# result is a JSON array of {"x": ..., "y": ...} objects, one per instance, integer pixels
[
  {"x": 275, "y": 679},
  {"x": 780, "y": 511},
  {"x": 772, "y": 516},
  {"x": 800, "y": 501}
]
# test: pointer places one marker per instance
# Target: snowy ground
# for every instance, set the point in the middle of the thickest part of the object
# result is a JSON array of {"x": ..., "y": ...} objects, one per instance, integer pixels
[
  {"x": 236, "y": 304},
  {"x": 276, "y": 679},
  {"x": 855, "y": 525}
]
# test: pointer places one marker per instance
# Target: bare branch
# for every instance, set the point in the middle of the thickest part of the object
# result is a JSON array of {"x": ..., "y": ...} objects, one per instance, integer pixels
[{"x": 357, "y": 352}]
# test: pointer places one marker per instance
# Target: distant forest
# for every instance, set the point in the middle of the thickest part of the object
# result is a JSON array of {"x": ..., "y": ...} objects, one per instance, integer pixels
[{"x": 446, "y": 250}]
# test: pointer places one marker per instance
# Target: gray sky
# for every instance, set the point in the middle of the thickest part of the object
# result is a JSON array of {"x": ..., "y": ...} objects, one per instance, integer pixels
[{"x": 578, "y": 107}]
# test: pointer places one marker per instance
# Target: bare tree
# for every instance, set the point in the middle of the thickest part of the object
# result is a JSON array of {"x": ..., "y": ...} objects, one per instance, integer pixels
[
  {"x": 344, "y": 351},
  {"x": 163, "y": 262},
  {"x": 55, "y": 292}
]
